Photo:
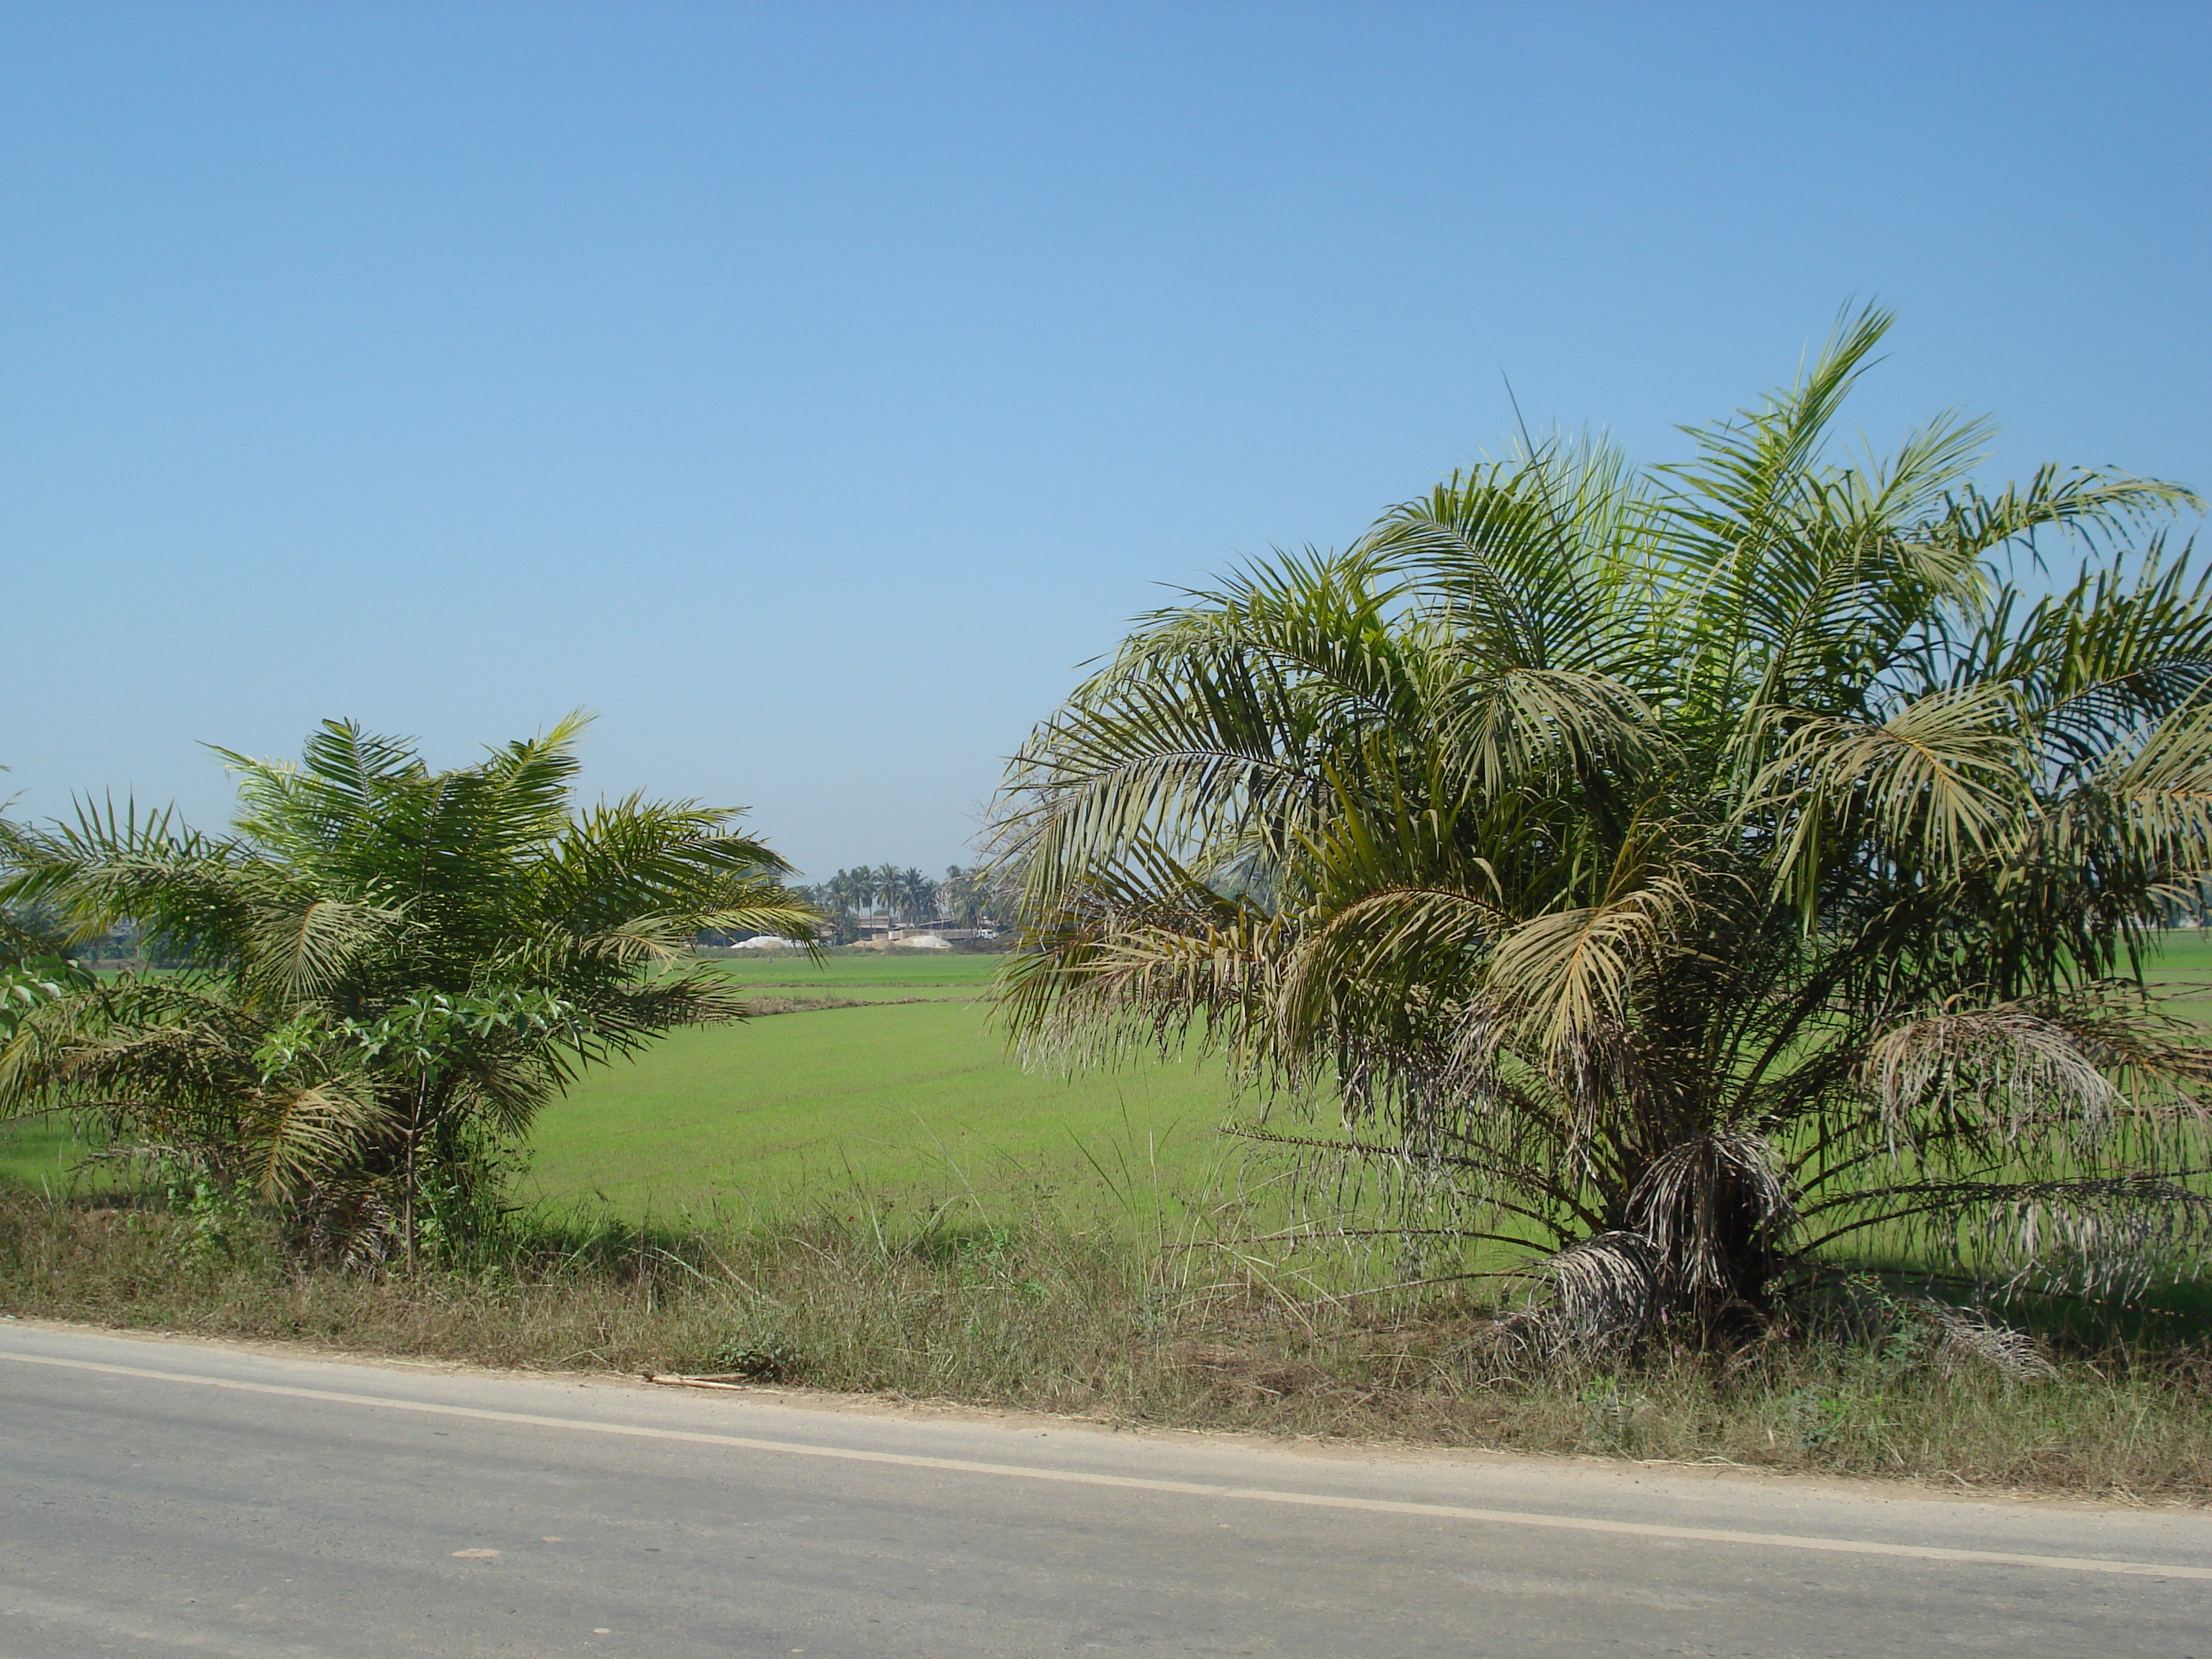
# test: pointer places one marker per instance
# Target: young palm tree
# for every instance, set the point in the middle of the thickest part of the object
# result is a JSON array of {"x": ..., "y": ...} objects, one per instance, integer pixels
[
  {"x": 392, "y": 966},
  {"x": 1672, "y": 873}
]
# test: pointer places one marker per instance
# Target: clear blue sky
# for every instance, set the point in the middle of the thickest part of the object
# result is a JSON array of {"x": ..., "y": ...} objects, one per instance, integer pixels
[{"x": 808, "y": 389}]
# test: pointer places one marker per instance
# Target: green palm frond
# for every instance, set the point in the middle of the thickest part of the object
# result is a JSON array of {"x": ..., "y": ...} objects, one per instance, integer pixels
[{"x": 1943, "y": 780}]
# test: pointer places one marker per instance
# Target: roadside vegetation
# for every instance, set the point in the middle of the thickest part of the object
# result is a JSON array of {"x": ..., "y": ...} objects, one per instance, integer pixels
[
  {"x": 1092, "y": 1322},
  {"x": 1685, "y": 960}
]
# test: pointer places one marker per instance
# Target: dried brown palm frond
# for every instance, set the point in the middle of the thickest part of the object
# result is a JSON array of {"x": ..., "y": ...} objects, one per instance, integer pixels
[
  {"x": 1600, "y": 1295},
  {"x": 2112, "y": 1238},
  {"x": 2000, "y": 1071},
  {"x": 1705, "y": 1204},
  {"x": 1969, "y": 1340}
]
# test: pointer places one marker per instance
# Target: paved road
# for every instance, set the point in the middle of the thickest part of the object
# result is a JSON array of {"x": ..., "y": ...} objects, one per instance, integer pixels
[{"x": 179, "y": 1499}]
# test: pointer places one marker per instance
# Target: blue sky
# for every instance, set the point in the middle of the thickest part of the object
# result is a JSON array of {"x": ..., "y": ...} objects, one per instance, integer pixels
[{"x": 809, "y": 389}]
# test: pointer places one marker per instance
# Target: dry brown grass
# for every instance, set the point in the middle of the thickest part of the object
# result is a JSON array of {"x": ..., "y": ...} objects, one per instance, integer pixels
[{"x": 1050, "y": 1320}]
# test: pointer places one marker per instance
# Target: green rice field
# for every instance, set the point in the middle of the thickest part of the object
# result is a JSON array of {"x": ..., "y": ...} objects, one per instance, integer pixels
[{"x": 910, "y": 1094}]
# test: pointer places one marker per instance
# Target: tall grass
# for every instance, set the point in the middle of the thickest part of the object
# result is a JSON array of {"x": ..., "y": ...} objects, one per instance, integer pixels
[{"x": 1133, "y": 1330}]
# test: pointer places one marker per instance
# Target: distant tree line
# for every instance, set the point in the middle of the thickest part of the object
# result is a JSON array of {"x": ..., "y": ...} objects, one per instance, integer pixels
[{"x": 887, "y": 894}]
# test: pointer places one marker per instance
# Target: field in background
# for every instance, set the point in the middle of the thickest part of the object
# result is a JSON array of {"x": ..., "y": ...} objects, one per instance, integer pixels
[
  {"x": 2183, "y": 965},
  {"x": 37, "y": 1154},
  {"x": 906, "y": 1094},
  {"x": 915, "y": 1101},
  {"x": 911, "y": 1096},
  {"x": 859, "y": 972},
  {"x": 883, "y": 1076}
]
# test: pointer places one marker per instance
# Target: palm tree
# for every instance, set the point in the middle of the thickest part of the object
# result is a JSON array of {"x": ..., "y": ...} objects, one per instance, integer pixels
[
  {"x": 957, "y": 897},
  {"x": 889, "y": 890},
  {"x": 1675, "y": 874},
  {"x": 837, "y": 898},
  {"x": 972, "y": 897},
  {"x": 918, "y": 895},
  {"x": 393, "y": 968}
]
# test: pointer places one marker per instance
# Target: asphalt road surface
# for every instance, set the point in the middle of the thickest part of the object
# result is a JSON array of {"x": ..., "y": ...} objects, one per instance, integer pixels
[{"x": 173, "y": 1497}]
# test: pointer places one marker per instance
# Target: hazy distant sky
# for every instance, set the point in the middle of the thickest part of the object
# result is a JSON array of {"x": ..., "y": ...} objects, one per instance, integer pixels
[{"x": 808, "y": 389}]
